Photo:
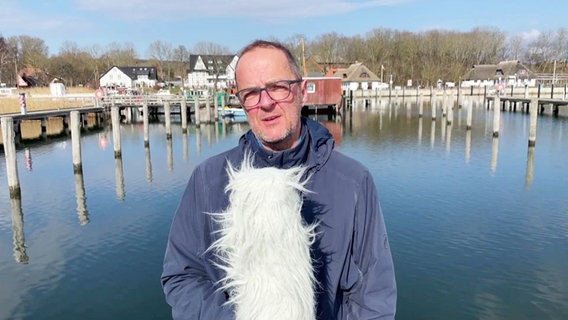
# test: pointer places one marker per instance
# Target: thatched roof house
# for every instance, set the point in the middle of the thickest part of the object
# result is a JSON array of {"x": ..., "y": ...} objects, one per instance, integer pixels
[
  {"x": 357, "y": 76},
  {"x": 504, "y": 70}
]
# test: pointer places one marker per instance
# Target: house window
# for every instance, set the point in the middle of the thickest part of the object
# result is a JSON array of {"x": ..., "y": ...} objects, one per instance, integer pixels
[
  {"x": 311, "y": 87},
  {"x": 364, "y": 75},
  {"x": 499, "y": 72}
]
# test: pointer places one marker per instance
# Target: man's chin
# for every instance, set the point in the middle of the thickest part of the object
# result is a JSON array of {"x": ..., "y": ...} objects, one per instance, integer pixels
[{"x": 277, "y": 144}]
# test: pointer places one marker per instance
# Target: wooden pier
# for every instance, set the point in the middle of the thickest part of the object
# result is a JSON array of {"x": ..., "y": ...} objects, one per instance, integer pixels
[
  {"x": 514, "y": 103},
  {"x": 120, "y": 108}
]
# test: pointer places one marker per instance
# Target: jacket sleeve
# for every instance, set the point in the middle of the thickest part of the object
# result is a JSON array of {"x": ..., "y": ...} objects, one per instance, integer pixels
[
  {"x": 187, "y": 278},
  {"x": 374, "y": 293}
]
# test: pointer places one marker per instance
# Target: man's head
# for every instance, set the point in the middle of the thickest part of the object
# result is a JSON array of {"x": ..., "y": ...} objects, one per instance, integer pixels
[{"x": 272, "y": 93}]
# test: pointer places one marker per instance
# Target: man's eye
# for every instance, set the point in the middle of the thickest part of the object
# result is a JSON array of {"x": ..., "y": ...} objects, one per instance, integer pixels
[
  {"x": 277, "y": 86},
  {"x": 251, "y": 94}
]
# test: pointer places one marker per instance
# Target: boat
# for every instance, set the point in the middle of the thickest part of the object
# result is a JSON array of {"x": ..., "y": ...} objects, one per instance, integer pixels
[{"x": 231, "y": 111}]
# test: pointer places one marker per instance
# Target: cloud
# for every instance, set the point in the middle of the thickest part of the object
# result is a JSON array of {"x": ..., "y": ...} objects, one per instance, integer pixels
[
  {"x": 17, "y": 18},
  {"x": 257, "y": 9}
]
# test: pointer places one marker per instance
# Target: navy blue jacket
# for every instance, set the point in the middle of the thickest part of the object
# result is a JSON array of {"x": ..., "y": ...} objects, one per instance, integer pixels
[{"x": 353, "y": 261}]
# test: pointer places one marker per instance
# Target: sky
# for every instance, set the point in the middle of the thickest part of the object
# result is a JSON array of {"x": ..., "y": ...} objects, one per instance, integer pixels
[{"x": 233, "y": 24}]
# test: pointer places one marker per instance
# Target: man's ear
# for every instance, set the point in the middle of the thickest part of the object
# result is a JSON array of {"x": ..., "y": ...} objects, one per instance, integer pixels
[{"x": 304, "y": 92}]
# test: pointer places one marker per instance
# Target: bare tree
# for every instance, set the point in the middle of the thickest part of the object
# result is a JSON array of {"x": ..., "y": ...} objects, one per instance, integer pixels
[
  {"x": 119, "y": 55},
  {"x": 161, "y": 52},
  {"x": 7, "y": 59},
  {"x": 33, "y": 51},
  {"x": 180, "y": 59}
]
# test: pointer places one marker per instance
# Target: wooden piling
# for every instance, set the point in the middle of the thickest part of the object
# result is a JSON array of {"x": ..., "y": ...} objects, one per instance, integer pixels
[
  {"x": 146, "y": 121},
  {"x": 433, "y": 108},
  {"x": 526, "y": 91},
  {"x": 183, "y": 110},
  {"x": 420, "y": 105},
  {"x": 10, "y": 155},
  {"x": 450, "y": 111},
  {"x": 444, "y": 104},
  {"x": 496, "y": 116},
  {"x": 208, "y": 109},
  {"x": 533, "y": 110},
  {"x": 75, "y": 123},
  {"x": 168, "y": 120},
  {"x": 115, "y": 122},
  {"x": 197, "y": 112}
]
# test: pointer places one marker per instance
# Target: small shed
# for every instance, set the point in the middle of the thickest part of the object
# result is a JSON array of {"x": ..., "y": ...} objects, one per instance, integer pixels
[{"x": 323, "y": 94}]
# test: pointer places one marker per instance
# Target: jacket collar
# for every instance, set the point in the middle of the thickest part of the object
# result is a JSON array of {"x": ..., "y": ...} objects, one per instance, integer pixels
[{"x": 314, "y": 149}]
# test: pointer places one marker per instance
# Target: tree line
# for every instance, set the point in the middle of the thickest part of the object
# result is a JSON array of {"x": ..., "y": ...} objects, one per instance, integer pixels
[{"x": 423, "y": 57}]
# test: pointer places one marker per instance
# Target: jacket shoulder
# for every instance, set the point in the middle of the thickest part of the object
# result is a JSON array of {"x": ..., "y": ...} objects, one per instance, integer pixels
[{"x": 347, "y": 166}]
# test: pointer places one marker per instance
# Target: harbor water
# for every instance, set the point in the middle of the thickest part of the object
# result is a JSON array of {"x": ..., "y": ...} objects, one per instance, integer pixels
[{"x": 478, "y": 225}]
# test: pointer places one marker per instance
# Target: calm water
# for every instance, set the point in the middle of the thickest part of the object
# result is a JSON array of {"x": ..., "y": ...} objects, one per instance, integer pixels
[{"x": 478, "y": 226}]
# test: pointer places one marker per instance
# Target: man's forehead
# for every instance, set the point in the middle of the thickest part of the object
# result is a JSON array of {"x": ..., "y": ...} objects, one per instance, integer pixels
[{"x": 261, "y": 66}]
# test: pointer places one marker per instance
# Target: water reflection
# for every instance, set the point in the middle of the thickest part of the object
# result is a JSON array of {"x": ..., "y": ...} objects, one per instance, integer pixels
[
  {"x": 530, "y": 167},
  {"x": 420, "y": 131},
  {"x": 19, "y": 240},
  {"x": 432, "y": 134},
  {"x": 28, "y": 159},
  {"x": 467, "y": 146},
  {"x": 119, "y": 177},
  {"x": 494, "y": 154},
  {"x": 198, "y": 139},
  {"x": 170, "y": 154},
  {"x": 448, "y": 138},
  {"x": 440, "y": 218},
  {"x": 185, "y": 146},
  {"x": 148, "y": 163},
  {"x": 82, "y": 211}
]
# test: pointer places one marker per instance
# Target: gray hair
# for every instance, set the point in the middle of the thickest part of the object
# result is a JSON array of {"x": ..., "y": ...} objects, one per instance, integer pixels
[{"x": 292, "y": 62}]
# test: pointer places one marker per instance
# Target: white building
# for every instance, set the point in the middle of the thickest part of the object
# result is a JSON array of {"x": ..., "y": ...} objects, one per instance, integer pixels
[
  {"x": 129, "y": 77},
  {"x": 206, "y": 71}
]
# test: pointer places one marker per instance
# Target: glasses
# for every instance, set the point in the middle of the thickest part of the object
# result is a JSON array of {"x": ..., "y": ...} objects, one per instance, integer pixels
[{"x": 277, "y": 91}]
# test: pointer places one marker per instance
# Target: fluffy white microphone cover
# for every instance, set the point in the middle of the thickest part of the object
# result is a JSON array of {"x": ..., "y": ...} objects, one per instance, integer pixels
[{"x": 264, "y": 245}]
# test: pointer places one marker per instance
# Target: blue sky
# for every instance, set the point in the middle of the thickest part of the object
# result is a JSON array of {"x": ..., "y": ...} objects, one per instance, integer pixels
[{"x": 234, "y": 23}]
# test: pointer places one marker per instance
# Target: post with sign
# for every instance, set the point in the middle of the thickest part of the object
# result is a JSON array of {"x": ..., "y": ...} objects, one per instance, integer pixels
[{"x": 99, "y": 95}]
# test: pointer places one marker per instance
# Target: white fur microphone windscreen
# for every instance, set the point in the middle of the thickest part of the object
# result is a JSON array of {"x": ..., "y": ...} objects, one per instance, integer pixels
[{"x": 264, "y": 245}]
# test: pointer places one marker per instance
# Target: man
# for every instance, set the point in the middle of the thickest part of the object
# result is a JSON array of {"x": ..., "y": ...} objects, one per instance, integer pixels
[{"x": 350, "y": 255}]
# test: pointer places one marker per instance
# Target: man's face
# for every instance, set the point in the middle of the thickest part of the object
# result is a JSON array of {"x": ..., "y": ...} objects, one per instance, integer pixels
[{"x": 275, "y": 123}]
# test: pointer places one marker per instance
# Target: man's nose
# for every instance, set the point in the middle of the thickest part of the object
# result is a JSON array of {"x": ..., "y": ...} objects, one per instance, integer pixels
[{"x": 265, "y": 99}]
